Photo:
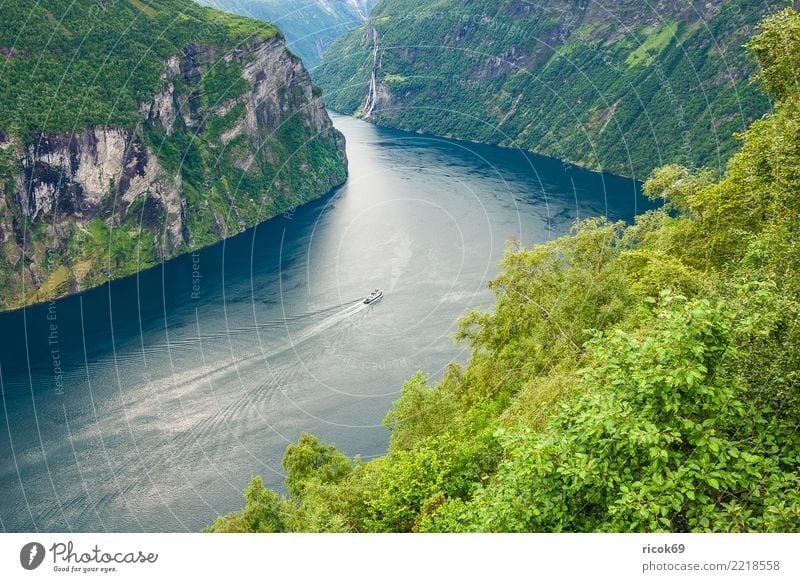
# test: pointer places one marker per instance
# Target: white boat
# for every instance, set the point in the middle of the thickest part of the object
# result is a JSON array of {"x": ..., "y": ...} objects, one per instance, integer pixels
[{"x": 375, "y": 295}]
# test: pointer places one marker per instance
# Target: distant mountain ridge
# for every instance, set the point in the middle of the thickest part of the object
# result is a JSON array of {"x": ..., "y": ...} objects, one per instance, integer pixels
[
  {"x": 620, "y": 85},
  {"x": 310, "y": 26}
]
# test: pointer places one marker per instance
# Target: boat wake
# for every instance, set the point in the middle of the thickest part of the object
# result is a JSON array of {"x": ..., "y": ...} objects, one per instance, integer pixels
[
  {"x": 314, "y": 330},
  {"x": 213, "y": 406}
]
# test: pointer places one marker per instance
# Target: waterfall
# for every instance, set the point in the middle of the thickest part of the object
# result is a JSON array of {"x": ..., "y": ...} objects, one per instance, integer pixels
[{"x": 372, "y": 92}]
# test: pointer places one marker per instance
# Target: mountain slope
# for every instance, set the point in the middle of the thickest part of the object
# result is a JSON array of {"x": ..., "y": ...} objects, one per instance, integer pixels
[
  {"x": 615, "y": 84},
  {"x": 310, "y": 25},
  {"x": 133, "y": 131}
]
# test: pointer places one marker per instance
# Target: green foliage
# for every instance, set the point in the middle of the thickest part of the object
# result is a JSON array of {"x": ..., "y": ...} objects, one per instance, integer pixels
[
  {"x": 421, "y": 412},
  {"x": 309, "y": 460},
  {"x": 603, "y": 88},
  {"x": 654, "y": 43},
  {"x": 261, "y": 512},
  {"x": 675, "y": 185},
  {"x": 639, "y": 377},
  {"x": 411, "y": 482},
  {"x": 659, "y": 440},
  {"x": 222, "y": 81},
  {"x": 91, "y": 63},
  {"x": 776, "y": 49},
  {"x": 760, "y": 185}
]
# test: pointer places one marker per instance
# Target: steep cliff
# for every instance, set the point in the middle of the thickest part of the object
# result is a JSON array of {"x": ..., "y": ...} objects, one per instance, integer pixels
[
  {"x": 622, "y": 85},
  {"x": 310, "y": 25},
  {"x": 231, "y": 132}
]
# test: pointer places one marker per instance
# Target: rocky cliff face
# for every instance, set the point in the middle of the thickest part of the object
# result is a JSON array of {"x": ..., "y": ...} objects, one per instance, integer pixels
[
  {"x": 73, "y": 176},
  {"x": 229, "y": 138}
]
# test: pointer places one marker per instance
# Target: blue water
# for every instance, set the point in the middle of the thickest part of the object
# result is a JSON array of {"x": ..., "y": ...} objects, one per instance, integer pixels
[{"x": 148, "y": 404}]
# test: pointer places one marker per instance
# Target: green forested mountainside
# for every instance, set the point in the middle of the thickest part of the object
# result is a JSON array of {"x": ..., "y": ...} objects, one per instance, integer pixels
[
  {"x": 70, "y": 64},
  {"x": 310, "y": 26},
  {"x": 640, "y": 377},
  {"x": 134, "y": 130},
  {"x": 619, "y": 85}
]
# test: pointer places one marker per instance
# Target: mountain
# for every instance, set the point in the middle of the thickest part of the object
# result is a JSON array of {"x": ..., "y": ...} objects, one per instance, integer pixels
[
  {"x": 622, "y": 85},
  {"x": 133, "y": 131},
  {"x": 310, "y": 25}
]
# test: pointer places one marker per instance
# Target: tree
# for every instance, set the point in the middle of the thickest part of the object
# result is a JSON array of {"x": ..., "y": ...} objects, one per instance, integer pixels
[
  {"x": 261, "y": 512},
  {"x": 777, "y": 48},
  {"x": 659, "y": 440},
  {"x": 310, "y": 459}
]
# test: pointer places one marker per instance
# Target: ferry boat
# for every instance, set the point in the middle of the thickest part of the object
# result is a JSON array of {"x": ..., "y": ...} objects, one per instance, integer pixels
[{"x": 374, "y": 296}]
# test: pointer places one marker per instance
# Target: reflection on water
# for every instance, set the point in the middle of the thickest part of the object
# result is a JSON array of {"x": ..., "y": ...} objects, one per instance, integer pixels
[{"x": 148, "y": 404}]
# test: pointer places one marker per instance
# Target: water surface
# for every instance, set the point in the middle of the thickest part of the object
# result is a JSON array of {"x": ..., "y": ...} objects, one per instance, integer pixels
[{"x": 149, "y": 403}]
